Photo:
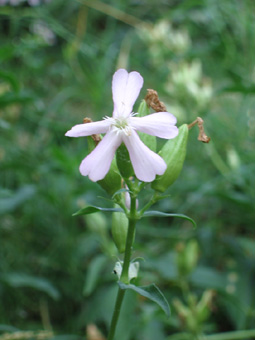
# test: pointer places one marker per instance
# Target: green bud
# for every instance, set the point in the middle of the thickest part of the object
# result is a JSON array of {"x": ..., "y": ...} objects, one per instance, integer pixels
[
  {"x": 148, "y": 140},
  {"x": 123, "y": 162},
  {"x": 203, "y": 307},
  {"x": 173, "y": 153},
  {"x": 186, "y": 315},
  {"x": 119, "y": 230},
  {"x": 191, "y": 255},
  {"x": 112, "y": 181},
  {"x": 182, "y": 310},
  {"x": 187, "y": 257},
  {"x": 97, "y": 223}
]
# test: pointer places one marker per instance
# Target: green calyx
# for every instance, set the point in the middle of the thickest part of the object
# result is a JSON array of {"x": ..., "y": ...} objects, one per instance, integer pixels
[
  {"x": 123, "y": 162},
  {"x": 148, "y": 140},
  {"x": 119, "y": 230},
  {"x": 173, "y": 153},
  {"x": 112, "y": 181}
]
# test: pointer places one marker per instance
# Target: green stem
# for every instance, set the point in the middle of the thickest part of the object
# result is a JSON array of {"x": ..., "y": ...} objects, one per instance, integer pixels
[
  {"x": 124, "y": 275},
  {"x": 116, "y": 313}
]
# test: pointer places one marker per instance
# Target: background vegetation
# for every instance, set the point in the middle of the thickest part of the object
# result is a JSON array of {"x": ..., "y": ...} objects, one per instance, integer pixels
[{"x": 57, "y": 59}]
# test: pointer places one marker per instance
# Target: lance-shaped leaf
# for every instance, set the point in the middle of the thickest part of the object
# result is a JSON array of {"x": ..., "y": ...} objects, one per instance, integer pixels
[
  {"x": 120, "y": 192},
  {"x": 152, "y": 292},
  {"x": 162, "y": 214},
  {"x": 92, "y": 209}
]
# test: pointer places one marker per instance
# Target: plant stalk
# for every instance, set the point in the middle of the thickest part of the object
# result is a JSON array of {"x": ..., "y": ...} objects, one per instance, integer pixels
[
  {"x": 116, "y": 313},
  {"x": 124, "y": 275}
]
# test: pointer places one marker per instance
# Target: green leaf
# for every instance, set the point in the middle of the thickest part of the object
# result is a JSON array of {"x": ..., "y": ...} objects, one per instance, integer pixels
[
  {"x": 93, "y": 274},
  {"x": 8, "y": 328},
  {"x": 9, "y": 201},
  {"x": 92, "y": 209},
  {"x": 162, "y": 214},
  {"x": 151, "y": 292},
  {"x": 22, "y": 280},
  {"x": 242, "y": 334},
  {"x": 206, "y": 277},
  {"x": 13, "y": 98},
  {"x": 10, "y": 78},
  {"x": 120, "y": 192}
]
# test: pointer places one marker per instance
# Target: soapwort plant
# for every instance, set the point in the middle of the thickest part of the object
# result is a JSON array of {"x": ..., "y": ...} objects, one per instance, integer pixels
[{"x": 125, "y": 162}]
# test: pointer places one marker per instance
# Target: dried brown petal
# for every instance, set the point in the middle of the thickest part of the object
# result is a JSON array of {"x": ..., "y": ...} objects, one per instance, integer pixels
[
  {"x": 153, "y": 101},
  {"x": 202, "y": 137}
]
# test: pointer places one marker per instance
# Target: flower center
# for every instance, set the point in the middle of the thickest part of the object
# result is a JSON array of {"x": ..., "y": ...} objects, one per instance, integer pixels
[{"x": 121, "y": 123}]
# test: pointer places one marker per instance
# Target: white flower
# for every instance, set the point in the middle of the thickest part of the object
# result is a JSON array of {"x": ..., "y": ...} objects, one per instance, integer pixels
[{"x": 121, "y": 128}]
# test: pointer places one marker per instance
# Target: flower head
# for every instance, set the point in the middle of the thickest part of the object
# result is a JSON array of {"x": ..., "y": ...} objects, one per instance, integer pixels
[{"x": 121, "y": 128}]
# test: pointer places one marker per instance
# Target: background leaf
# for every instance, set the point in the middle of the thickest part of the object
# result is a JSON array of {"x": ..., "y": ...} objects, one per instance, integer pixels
[{"x": 21, "y": 280}]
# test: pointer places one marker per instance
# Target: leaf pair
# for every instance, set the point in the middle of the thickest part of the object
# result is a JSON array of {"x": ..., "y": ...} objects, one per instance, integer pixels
[{"x": 93, "y": 209}]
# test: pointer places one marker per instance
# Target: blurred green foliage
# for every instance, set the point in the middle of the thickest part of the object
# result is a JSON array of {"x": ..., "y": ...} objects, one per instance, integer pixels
[{"x": 57, "y": 59}]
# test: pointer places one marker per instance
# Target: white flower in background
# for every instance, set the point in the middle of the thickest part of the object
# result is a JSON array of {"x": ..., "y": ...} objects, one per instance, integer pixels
[
  {"x": 186, "y": 73},
  {"x": 188, "y": 78},
  {"x": 121, "y": 128},
  {"x": 41, "y": 29},
  {"x": 162, "y": 35}
]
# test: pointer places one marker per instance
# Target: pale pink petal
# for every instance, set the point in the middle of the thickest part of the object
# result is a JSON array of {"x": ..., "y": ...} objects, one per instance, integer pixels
[
  {"x": 160, "y": 124},
  {"x": 82, "y": 130},
  {"x": 146, "y": 163},
  {"x": 98, "y": 162},
  {"x": 125, "y": 90}
]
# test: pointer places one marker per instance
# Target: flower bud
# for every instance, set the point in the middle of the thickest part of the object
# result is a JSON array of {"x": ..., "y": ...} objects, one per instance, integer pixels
[
  {"x": 191, "y": 255},
  {"x": 97, "y": 223},
  {"x": 112, "y": 181},
  {"x": 187, "y": 257},
  {"x": 173, "y": 153},
  {"x": 204, "y": 306},
  {"x": 119, "y": 230},
  {"x": 148, "y": 140}
]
